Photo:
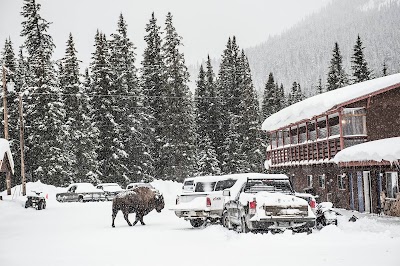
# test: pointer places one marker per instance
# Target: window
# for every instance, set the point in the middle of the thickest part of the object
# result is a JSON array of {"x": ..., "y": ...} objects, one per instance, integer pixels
[
  {"x": 392, "y": 184},
  {"x": 224, "y": 184},
  {"x": 204, "y": 186},
  {"x": 309, "y": 181},
  {"x": 322, "y": 181},
  {"x": 354, "y": 122},
  {"x": 341, "y": 181}
]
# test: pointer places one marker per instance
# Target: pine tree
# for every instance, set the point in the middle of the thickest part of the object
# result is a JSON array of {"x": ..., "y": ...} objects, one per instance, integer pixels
[
  {"x": 206, "y": 158},
  {"x": 177, "y": 154},
  {"x": 110, "y": 152},
  {"x": 269, "y": 100},
  {"x": 8, "y": 60},
  {"x": 207, "y": 162},
  {"x": 384, "y": 68},
  {"x": 129, "y": 114},
  {"x": 359, "y": 66},
  {"x": 249, "y": 123},
  {"x": 337, "y": 77},
  {"x": 80, "y": 144},
  {"x": 44, "y": 109},
  {"x": 295, "y": 94},
  {"x": 320, "y": 89},
  {"x": 214, "y": 107},
  {"x": 153, "y": 86}
]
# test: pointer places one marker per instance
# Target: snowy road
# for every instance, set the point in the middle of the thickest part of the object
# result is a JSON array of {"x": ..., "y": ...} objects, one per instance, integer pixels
[{"x": 81, "y": 234}]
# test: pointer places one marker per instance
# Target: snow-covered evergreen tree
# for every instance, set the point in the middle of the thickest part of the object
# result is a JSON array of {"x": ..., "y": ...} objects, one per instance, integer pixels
[
  {"x": 337, "y": 77},
  {"x": 8, "y": 60},
  {"x": 153, "y": 86},
  {"x": 249, "y": 123},
  {"x": 359, "y": 65},
  {"x": 177, "y": 153},
  {"x": 206, "y": 157},
  {"x": 320, "y": 88},
  {"x": 44, "y": 109},
  {"x": 129, "y": 114},
  {"x": 111, "y": 153},
  {"x": 214, "y": 106},
  {"x": 269, "y": 99},
  {"x": 79, "y": 142},
  {"x": 295, "y": 94}
]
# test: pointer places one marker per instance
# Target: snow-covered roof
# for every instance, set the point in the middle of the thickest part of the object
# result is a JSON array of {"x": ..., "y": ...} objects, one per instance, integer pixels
[
  {"x": 321, "y": 103},
  {"x": 378, "y": 150},
  {"x": 5, "y": 148}
]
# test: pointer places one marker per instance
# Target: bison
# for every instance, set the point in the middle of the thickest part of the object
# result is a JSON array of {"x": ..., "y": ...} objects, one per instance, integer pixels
[{"x": 141, "y": 201}]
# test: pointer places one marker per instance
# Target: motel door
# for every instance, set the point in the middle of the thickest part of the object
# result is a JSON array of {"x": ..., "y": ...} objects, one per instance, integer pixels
[
  {"x": 360, "y": 195},
  {"x": 367, "y": 191}
]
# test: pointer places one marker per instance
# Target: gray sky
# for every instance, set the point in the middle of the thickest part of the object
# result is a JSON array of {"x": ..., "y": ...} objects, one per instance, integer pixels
[{"x": 205, "y": 25}]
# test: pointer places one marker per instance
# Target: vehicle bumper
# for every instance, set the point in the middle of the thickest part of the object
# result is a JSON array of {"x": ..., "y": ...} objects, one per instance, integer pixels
[
  {"x": 299, "y": 224},
  {"x": 197, "y": 214}
]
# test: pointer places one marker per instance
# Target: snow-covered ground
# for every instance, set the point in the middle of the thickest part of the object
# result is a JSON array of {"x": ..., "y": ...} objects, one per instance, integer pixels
[{"x": 81, "y": 234}]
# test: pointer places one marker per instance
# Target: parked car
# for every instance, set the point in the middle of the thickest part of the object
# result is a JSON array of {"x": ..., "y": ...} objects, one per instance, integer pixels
[
  {"x": 110, "y": 189},
  {"x": 188, "y": 185},
  {"x": 132, "y": 186},
  {"x": 206, "y": 202},
  {"x": 266, "y": 202},
  {"x": 81, "y": 192}
]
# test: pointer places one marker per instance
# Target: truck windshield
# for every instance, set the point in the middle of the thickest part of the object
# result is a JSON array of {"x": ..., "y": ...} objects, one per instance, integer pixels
[
  {"x": 269, "y": 185},
  {"x": 204, "y": 186}
]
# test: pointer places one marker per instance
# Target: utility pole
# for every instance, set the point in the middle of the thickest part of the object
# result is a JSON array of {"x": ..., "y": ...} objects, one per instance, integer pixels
[
  {"x": 8, "y": 175},
  {"x": 22, "y": 145}
]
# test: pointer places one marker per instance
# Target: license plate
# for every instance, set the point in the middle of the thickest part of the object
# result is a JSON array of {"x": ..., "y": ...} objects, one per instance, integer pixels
[{"x": 284, "y": 224}]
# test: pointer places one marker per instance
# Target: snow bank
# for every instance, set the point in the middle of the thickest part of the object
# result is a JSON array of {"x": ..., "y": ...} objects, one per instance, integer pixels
[
  {"x": 378, "y": 150},
  {"x": 322, "y": 103}
]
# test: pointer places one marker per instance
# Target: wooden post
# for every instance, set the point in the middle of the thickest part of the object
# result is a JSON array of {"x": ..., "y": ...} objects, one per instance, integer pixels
[
  {"x": 8, "y": 175},
  {"x": 22, "y": 145}
]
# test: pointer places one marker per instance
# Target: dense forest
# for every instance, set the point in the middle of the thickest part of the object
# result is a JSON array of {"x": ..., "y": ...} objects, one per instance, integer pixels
[{"x": 116, "y": 122}]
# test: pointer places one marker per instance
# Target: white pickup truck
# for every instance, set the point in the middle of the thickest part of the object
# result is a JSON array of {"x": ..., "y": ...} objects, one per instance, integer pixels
[
  {"x": 266, "y": 202},
  {"x": 206, "y": 202}
]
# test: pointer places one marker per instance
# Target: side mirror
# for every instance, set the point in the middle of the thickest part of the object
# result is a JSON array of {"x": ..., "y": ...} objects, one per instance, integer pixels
[{"x": 226, "y": 192}]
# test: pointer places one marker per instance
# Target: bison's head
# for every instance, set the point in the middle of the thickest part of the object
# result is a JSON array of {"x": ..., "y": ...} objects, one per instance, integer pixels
[{"x": 159, "y": 204}]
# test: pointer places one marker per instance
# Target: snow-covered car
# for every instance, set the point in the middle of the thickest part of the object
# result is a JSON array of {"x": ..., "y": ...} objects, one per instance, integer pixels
[
  {"x": 81, "y": 192},
  {"x": 266, "y": 203},
  {"x": 132, "y": 186},
  {"x": 206, "y": 202},
  {"x": 110, "y": 189}
]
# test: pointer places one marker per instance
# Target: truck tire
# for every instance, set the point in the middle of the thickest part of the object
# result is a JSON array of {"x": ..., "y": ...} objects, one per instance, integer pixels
[
  {"x": 197, "y": 222},
  {"x": 226, "y": 221},
  {"x": 243, "y": 226},
  {"x": 80, "y": 198}
]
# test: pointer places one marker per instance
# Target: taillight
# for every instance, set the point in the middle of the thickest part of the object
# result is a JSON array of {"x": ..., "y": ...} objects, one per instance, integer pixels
[
  {"x": 252, "y": 206},
  {"x": 208, "y": 200},
  {"x": 312, "y": 204}
]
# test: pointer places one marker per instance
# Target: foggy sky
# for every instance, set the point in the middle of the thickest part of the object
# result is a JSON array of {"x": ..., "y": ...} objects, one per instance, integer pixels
[{"x": 205, "y": 25}]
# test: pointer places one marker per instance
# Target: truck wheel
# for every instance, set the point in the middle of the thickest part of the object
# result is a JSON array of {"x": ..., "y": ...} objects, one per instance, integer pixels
[
  {"x": 243, "y": 226},
  {"x": 44, "y": 205},
  {"x": 28, "y": 203},
  {"x": 197, "y": 222},
  {"x": 40, "y": 205},
  {"x": 80, "y": 198},
  {"x": 226, "y": 221}
]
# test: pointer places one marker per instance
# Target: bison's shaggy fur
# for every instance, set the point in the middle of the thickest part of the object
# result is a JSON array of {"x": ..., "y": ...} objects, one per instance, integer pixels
[{"x": 141, "y": 201}]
